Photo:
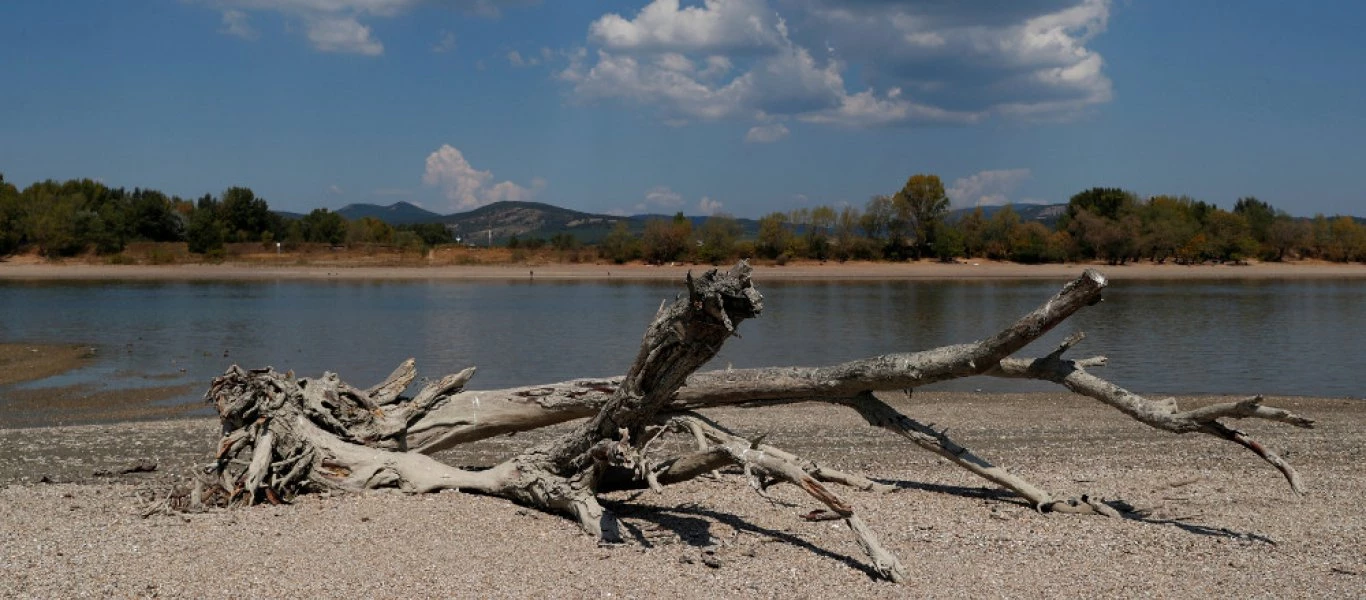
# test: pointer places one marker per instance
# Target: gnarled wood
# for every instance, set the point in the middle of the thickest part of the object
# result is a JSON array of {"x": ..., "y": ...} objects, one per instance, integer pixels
[{"x": 284, "y": 436}]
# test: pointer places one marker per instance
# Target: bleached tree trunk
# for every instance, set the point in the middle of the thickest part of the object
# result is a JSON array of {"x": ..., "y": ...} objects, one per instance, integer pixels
[{"x": 284, "y": 436}]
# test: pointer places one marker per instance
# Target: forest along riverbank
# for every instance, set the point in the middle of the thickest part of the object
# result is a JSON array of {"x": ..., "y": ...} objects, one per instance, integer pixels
[
  {"x": 1213, "y": 519},
  {"x": 795, "y": 271}
]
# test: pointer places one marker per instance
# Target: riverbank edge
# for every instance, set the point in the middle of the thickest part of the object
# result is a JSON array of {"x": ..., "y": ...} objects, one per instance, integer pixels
[{"x": 866, "y": 271}]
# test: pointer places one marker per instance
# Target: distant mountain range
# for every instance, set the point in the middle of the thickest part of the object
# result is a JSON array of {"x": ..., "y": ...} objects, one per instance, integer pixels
[
  {"x": 398, "y": 213},
  {"x": 1048, "y": 214},
  {"x": 502, "y": 220}
]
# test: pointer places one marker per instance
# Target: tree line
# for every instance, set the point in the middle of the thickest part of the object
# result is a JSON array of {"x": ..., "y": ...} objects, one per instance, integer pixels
[
  {"x": 59, "y": 219},
  {"x": 1105, "y": 224}
]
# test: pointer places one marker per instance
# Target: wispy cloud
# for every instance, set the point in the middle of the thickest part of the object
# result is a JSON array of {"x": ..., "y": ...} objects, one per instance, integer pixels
[
  {"x": 236, "y": 23},
  {"x": 516, "y": 59},
  {"x": 445, "y": 44},
  {"x": 343, "y": 34},
  {"x": 337, "y": 25}
]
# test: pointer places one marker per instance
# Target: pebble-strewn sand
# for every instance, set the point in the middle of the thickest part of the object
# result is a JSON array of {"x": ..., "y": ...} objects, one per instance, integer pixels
[{"x": 1221, "y": 523}]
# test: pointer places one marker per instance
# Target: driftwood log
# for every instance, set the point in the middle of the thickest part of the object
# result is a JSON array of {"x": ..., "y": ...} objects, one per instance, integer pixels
[{"x": 283, "y": 436}]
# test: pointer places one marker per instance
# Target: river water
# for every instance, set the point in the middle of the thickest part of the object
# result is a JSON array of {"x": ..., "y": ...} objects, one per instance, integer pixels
[{"x": 1291, "y": 337}]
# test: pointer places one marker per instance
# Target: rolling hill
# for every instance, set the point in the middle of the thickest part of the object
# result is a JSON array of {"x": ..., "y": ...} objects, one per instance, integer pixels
[
  {"x": 502, "y": 220},
  {"x": 398, "y": 213}
]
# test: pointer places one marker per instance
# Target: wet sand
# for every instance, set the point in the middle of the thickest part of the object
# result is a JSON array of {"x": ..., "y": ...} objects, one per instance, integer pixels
[
  {"x": 1216, "y": 521},
  {"x": 29, "y": 362},
  {"x": 37, "y": 406},
  {"x": 797, "y": 271}
]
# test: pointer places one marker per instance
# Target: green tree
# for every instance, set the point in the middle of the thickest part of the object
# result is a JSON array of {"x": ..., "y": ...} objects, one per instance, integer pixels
[
  {"x": 1229, "y": 235},
  {"x": 847, "y": 239},
  {"x": 920, "y": 205},
  {"x": 369, "y": 230},
  {"x": 11, "y": 218},
  {"x": 1346, "y": 240},
  {"x": 1106, "y": 203},
  {"x": 1114, "y": 241},
  {"x": 322, "y": 226},
  {"x": 774, "y": 235},
  {"x": 877, "y": 219},
  {"x": 948, "y": 242},
  {"x": 245, "y": 215},
  {"x": 153, "y": 217},
  {"x": 619, "y": 246},
  {"x": 1168, "y": 224},
  {"x": 408, "y": 241},
  {"x": 431, "y": 234},
  {"x": 667, "y": 241},
  {"x": 50, "y": 221},
  {"x": 1032, "y": 243},
  {"x": 718, "y": 235},
  {"x": 564, "y": 241},
  {"x": 996, "y": 234},
  {"x": 1104, "y": 223},
  {"x": 205, "y": 233},
  {"x": 820, "y": 224},
  {"x": 1259, "y": 215},
  {"x": 973, "y": 228},
  {"x": 1284, "y": 236}
]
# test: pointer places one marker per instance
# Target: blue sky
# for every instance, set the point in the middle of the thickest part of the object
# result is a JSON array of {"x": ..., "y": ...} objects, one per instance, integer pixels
[{"x": 738, "y": 106}]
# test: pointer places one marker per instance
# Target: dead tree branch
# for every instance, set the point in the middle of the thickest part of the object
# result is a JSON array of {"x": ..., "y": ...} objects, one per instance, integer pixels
[{"x": 284, "y": 436}]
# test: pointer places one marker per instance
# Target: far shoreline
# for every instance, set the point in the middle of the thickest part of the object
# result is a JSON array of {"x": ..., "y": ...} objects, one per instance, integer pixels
[{"x": 804, "y": 271}]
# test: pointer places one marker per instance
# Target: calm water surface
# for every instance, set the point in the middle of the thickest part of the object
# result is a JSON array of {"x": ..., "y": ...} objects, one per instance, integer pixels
[{"x": 1238, "y": 337}]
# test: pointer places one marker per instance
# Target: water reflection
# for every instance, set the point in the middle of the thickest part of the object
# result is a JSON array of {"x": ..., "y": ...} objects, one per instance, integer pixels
[{"x": 1243, "y": 337}]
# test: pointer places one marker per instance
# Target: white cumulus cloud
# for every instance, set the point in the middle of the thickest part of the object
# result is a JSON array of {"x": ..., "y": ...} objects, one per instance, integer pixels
[
  {"x": 467, "y": 187},
  {"x": 986, "y": 188},
  {"x": 708, "y": 206},
  {"x": 922, "y": 62},
  {"x": 664, "y": 25},
  {"x": 766, "y": 134}
]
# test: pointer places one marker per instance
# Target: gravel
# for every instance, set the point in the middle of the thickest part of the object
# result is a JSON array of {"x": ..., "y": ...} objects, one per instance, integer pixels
[{"x": 1217, "y": 521}]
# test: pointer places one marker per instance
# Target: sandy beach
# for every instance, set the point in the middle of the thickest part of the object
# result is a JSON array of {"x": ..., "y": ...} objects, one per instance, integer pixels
[
  {"x": 38, "y": 270},
  {"x": 1214, "y": 521}
]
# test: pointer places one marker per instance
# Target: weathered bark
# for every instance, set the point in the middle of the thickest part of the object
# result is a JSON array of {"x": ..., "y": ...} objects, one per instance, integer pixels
[{"x": 283, "y": 436}]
